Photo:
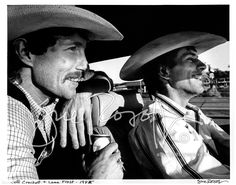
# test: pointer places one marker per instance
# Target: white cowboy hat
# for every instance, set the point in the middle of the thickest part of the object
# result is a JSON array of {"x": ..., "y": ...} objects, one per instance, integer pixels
[
  {"x": 24, "y": 19},
  {"x": 200, "y": 40}
]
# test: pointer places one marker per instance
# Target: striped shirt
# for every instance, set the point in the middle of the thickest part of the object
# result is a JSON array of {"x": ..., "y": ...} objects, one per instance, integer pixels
[{"x": 166, "y": 143}]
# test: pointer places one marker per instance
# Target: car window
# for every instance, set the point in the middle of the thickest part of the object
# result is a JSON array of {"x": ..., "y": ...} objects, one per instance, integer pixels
[{"x": 214, "y": 101}]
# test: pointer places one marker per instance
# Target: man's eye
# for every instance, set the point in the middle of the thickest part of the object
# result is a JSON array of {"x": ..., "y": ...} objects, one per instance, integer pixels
[
  {"x": 192, "y": 60},
  {"x": 73, "y": 48}
]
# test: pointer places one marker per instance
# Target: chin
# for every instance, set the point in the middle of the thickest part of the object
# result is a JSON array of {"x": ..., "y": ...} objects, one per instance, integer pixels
[
  {"x": 199, "y": 91},
  {"x": 69, "y": 95},
  {"x": 197, "y": 88},
  {"x": 195, "y": 91}
]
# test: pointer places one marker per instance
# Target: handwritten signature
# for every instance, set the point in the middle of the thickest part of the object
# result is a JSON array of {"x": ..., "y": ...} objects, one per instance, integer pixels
[{"x": 212, "y": 181}]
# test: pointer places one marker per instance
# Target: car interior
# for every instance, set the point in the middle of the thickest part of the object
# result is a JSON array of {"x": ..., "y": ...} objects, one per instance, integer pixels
[{"x": 118, "y": 111}]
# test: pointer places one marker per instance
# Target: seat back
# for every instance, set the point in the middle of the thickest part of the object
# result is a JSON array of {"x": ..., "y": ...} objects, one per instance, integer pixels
[
  {"x": 115, "y": 105},
  {"x": 117, "y": 111}
]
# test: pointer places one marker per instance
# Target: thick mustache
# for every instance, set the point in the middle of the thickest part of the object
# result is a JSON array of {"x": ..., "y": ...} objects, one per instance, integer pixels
[
  {"x": 77, "y": 74},
  {"x": 82, "y": 75}
]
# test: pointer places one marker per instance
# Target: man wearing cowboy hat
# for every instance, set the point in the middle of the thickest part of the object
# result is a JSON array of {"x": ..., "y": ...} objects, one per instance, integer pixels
[
  {"x": 47, "y": 61},
  {"x": 175, "y": 139}
]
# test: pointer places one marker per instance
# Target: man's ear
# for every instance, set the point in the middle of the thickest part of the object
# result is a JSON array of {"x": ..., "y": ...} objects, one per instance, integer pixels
[
  {"x": 164, "y": 72},
  {"x": 22, "y": 51}
]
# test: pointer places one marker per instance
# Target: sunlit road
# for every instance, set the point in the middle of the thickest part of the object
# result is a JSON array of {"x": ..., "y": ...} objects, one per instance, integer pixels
[{"x": 214, "y": 107}]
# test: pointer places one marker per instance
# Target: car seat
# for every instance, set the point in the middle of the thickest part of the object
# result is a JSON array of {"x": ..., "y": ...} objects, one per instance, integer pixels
[{"x": 118, "y": 111}]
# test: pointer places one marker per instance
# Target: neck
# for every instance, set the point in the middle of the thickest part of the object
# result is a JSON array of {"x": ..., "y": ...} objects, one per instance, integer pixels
[
  {"x": 39, "y": 97},
  {"x": 178, "y": 96}
]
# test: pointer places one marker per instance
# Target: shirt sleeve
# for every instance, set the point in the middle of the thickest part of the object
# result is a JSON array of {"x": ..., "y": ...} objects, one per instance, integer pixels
[
  {"x": 20, "y": 152},
  {"x": 220, "y": 138},
  {"x": 217, "y": 133},
  {"x": 146, "y": 151}
]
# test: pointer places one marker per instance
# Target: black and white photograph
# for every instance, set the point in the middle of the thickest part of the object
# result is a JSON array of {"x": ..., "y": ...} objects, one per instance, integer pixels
[{"x": 123, "y": 93}]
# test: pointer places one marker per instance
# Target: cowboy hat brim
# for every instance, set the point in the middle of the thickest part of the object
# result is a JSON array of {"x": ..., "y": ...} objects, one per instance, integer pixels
[
  {"x": 23, "y": 19},
  {"x": 200, "y": 40}
]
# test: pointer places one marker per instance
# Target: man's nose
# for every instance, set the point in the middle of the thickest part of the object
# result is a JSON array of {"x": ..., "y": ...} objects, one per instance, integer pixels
[
  {"x": 201, "y": 66},
  {"x": 82, "y": 63}
]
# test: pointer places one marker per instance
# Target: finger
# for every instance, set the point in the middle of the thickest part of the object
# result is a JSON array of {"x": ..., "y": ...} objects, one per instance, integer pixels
[
  {"x": 63, "y": 129},
  {"x": 116, "y": 156},
  {"x": 73, "y": 132},
  {"x": 109, "y": 149},
  {"x": 118, "y": 173},
  {"x": 80, "y": 129},
  {"x": 88, "y": 122},
  {"x": 83, "y": 156},
  {"x": 83, "y": 162}
]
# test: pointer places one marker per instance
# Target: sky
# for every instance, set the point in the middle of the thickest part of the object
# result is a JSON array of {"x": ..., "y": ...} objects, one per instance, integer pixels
[{"x": 217, "y": 57}]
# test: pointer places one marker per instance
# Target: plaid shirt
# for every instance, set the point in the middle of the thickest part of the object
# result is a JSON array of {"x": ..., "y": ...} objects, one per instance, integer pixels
[{"x": 22, "y": 124}]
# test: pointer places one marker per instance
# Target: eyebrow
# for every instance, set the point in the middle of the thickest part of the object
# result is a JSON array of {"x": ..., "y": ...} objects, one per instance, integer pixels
[
  {"x": 190, "y": 51},
  {"x": 77, "y": 43}
]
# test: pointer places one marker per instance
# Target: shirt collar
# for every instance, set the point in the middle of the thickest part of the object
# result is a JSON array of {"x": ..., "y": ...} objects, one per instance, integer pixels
[
  {"x": 172, "y": 103},
  {"x": 37, "y": 109}
]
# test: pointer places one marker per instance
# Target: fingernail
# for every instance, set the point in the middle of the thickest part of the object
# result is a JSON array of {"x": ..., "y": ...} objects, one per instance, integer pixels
[
  {"x": 63, "y": 145},
  {"x": 76, "y": 147},
  {"x": 83, "y": 143}
]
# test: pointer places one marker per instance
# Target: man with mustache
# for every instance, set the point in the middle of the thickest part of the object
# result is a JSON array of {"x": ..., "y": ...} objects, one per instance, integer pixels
[
  {"x": 175, "y": 139},
  {"x": 47, "y": 62}
]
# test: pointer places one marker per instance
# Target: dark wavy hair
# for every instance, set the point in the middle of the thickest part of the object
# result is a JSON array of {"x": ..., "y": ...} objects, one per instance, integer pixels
[
  {"x": 37, "y": 43},
  {"x": 151, "y": 70}
]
